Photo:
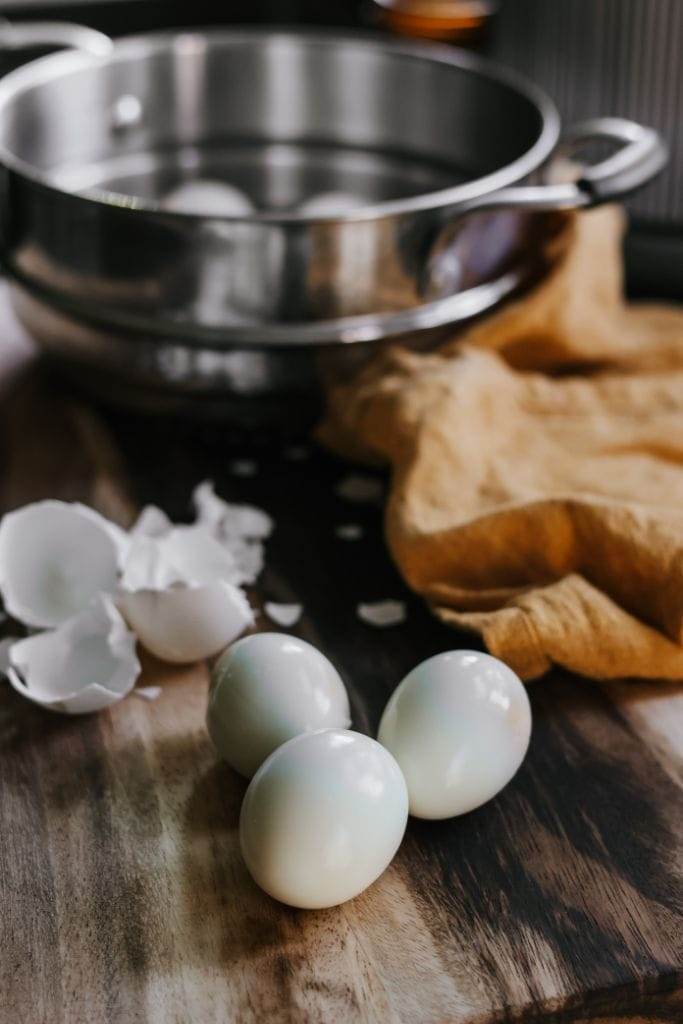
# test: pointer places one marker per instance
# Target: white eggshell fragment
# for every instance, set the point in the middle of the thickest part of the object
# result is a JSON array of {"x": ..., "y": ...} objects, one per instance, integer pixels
[
  {"x": 86, "y": 664},
  {"x": 322, "y": 818},
  {"x": 206, "y": 198},
  {"x": 459, "y": 726},
  {"x": 147, "y": 693},
  {"x": 228, "y": 519},
  {"x": 360, "y": 489},
  {"x": 240, "y": 529},
  {"x": 267, "y": 688},
  {"x": 189, "y": 623},
  {"x": 178, "y": 593},
  {"x": 54, "y": 558},
  {"x": 151, "y": 522},
  {"x": 286, "y": 615},
  {"x": 184, "y": 556},
  {"x": 382, "y": 613}
]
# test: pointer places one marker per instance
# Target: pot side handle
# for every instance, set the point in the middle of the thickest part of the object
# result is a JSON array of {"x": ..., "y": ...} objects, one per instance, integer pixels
[
  {"x": 19, "y": 35},
  {"x": 642, "y": 155}
]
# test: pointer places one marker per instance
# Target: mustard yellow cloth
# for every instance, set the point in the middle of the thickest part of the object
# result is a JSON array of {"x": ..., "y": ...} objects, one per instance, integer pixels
[{"x": 537, "y": 469}]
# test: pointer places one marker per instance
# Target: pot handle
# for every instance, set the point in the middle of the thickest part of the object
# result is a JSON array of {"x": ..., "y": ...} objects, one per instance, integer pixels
[
  {"x": 642, "y": 155},
  {"x": 19, "y": 35}
]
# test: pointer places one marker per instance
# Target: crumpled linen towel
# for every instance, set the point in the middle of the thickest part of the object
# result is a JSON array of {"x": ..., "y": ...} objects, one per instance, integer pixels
[{"x": 537, "y": 469}]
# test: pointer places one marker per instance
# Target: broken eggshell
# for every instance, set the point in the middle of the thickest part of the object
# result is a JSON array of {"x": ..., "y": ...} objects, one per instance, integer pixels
[
  {"x": 240, "y": 529},
  {"x": 382, "y": 613},
  {"x": 54, "y": 558},
  {"x": 86, "y": 664},
  {"x": 228, "y": 519},
  {"x": 151, "y": 522},
  {"x": 286, "y": 615},
  {"x": 179, "y": 594}
]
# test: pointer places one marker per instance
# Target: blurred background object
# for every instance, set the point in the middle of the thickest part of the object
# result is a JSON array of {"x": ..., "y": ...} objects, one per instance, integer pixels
[
  {"x": 618, "y": 57},
  {"x": 456, "y": 21},
  {"x": 593, "y": 57}
]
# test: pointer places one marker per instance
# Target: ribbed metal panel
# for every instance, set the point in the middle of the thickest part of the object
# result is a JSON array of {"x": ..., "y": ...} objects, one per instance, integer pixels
[{"x": 607, "y": 57}]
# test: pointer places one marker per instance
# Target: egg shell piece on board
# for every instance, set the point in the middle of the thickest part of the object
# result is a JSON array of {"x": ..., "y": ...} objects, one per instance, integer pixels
[
  {"x": 84, "y": 665},
  {"x": 54, "y": 558},
  {"x": 286, "y": 615},
  {"x": 239, "y": 528},
  {"x": 179, "y": 594}
]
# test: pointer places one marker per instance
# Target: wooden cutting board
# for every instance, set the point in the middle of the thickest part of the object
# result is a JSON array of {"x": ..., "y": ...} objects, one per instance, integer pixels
[{"x": 124, "y": 897}]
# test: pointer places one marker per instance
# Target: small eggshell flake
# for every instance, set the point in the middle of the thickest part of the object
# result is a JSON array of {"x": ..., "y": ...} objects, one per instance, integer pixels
[
  {"x": 54, "y": 558},
  {"x": 86, "y": 664},
  {"x": 207, "y": 198},
  {"x": 266, "y": 689},
  {"x": 227, "y": 520},
  {"x": 237, "y": 528},
  {"x": 147, "y": 693},
  {"x": 382, "y": 613},
  {"x": 360, "y": 489},
  {"x": 286, "y": 615},
  {"x": 151, "y": 522},
  {"x": 349, "y": 531},
  {"x": 322, "y": 818},
  {"x": 459, "y": 726}
]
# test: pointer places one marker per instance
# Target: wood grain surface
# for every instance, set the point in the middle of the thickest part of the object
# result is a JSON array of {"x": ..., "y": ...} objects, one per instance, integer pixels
[{"x": 124, "y": 897}]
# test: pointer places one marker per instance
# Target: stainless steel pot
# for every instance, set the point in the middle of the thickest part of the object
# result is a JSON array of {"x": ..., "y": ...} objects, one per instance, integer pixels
[{"x": 442, "y": 148}]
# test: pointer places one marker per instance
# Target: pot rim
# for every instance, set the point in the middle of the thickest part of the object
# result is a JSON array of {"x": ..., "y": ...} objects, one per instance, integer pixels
[
  {"x": 48, "y": 69},
  {"x": 364, "y": 328}
]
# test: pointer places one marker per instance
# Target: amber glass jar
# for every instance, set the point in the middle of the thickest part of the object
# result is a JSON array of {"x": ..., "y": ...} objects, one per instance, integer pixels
[{"x": 452, "y": 20}]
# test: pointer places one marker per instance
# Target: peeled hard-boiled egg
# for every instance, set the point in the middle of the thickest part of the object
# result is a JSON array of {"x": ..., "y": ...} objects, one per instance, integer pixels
[
  {"x": 267, "y": 688},
  {"x": 323, "y": 817},
  {"x": 459, "y": 726}
]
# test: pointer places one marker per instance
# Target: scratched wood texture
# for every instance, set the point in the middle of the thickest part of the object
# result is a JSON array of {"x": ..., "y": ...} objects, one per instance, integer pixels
[{"x": 123, "y": 895}]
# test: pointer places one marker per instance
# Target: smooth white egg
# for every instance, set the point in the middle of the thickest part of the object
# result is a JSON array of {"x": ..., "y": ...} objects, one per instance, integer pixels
[
  {"x": 207, "y": 198},
  {"x": 459, "y": 726},
  {"x": 267, "y": 688},
  {"x": 322, "y": 818}
]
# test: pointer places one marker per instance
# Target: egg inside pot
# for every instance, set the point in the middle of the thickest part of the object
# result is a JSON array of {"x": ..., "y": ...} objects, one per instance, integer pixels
[
  {"x": 205, "y": 197},
  {"x": 459, "y": 727},
  {"x": 322, "y": 818},
  {"x": 266, "y": 689}
]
